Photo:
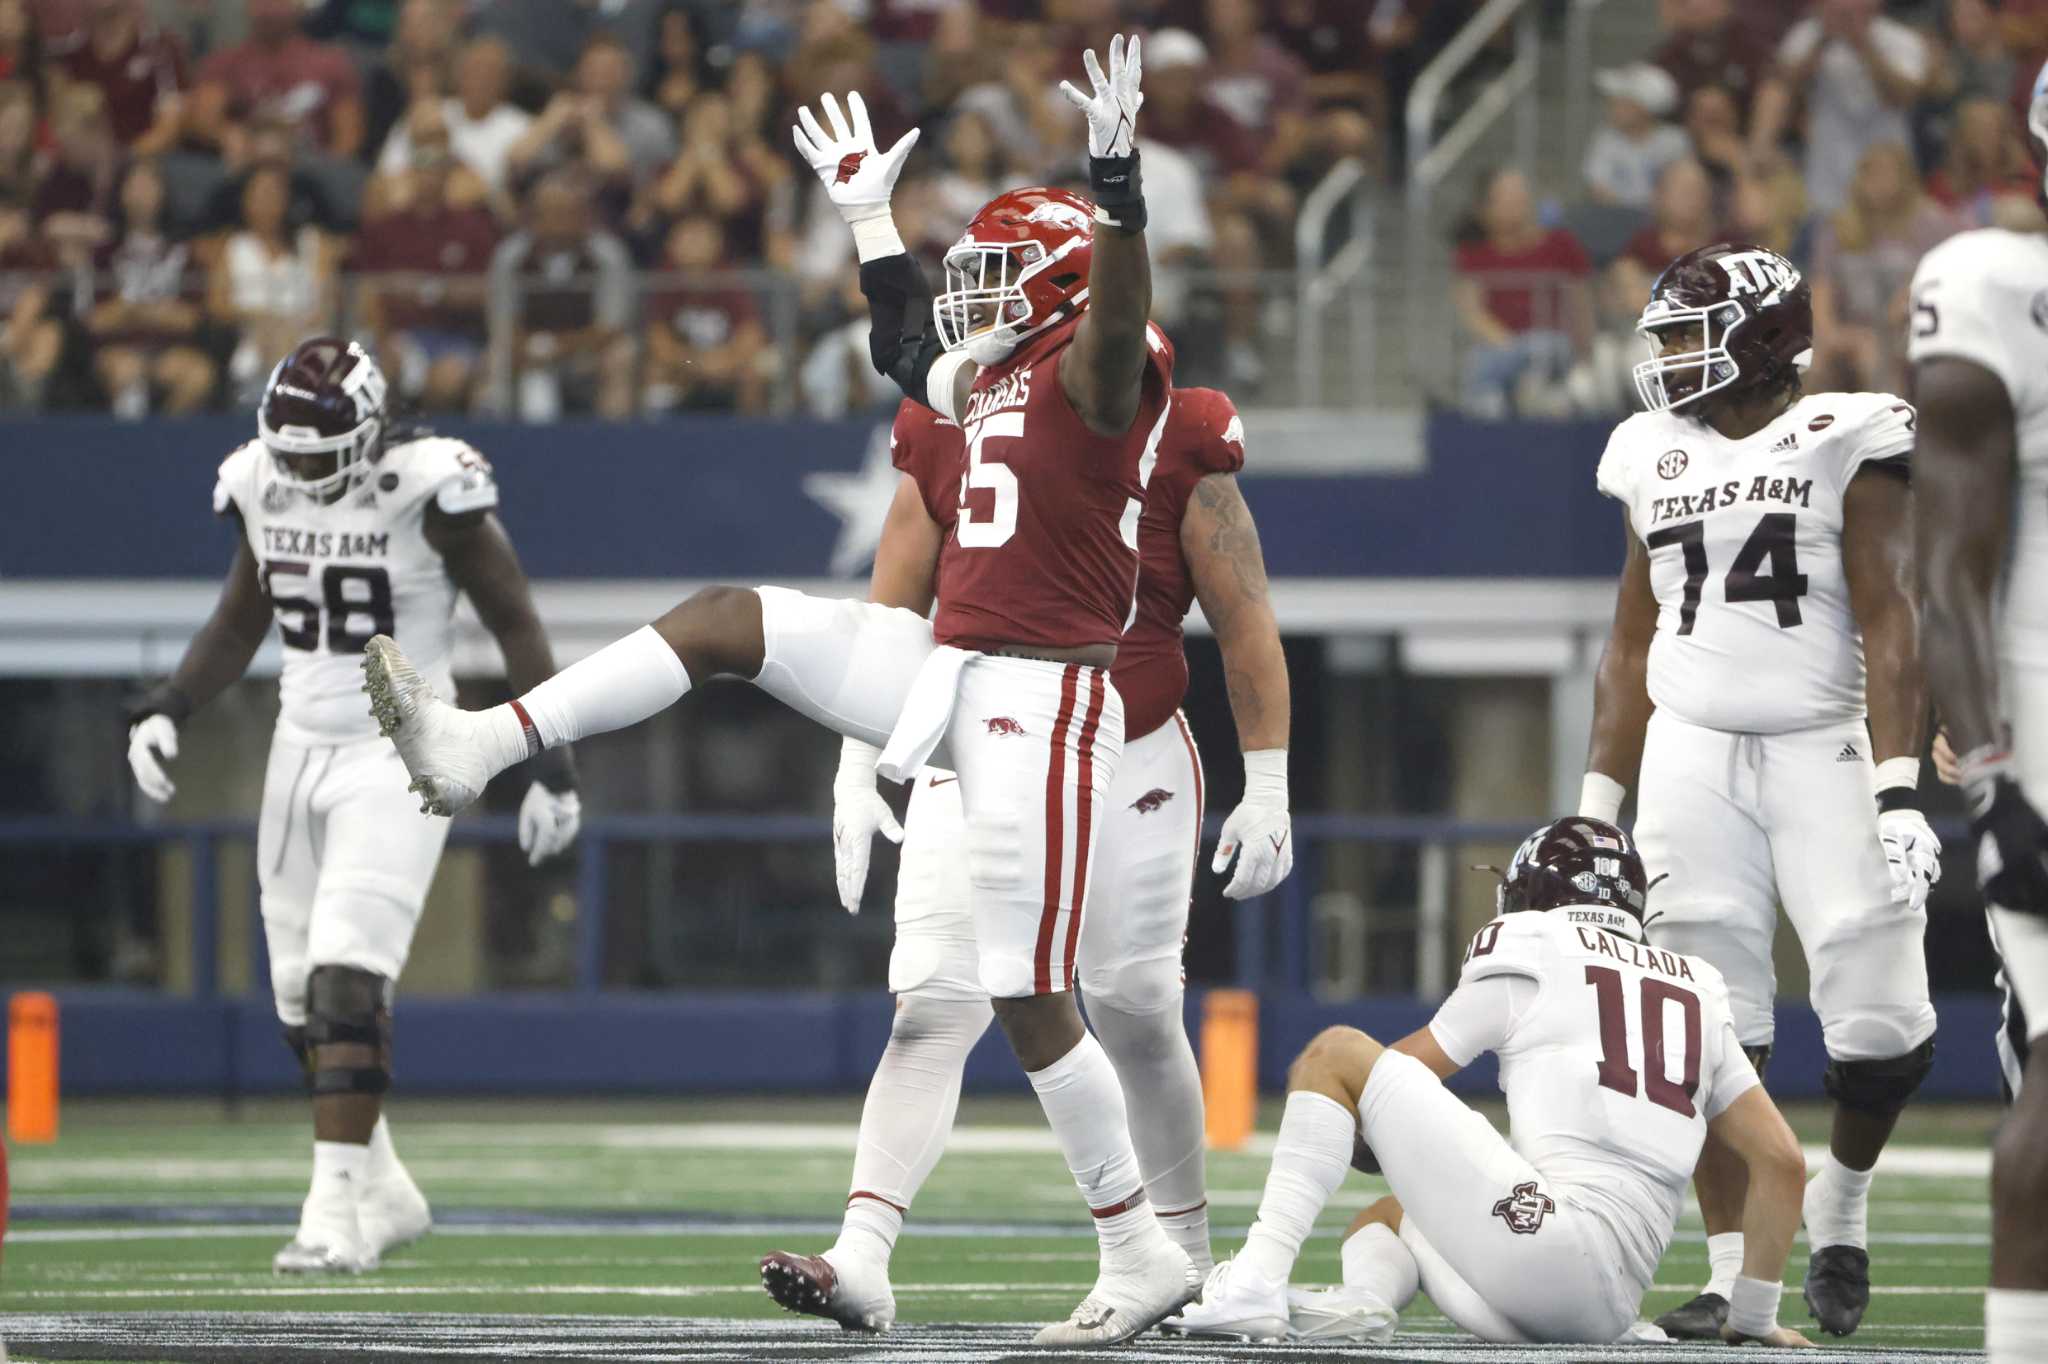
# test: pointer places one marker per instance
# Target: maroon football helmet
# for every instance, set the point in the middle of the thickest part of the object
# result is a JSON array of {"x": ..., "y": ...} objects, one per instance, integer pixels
[
  {"x": 1578, "y": 863},
  {"x": 322, "y": 415},
  {"x": 1754, "y": 319}
]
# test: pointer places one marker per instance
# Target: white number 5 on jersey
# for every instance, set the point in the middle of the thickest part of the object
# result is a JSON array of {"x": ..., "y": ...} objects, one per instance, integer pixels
[{"x": 998, "y": 478}]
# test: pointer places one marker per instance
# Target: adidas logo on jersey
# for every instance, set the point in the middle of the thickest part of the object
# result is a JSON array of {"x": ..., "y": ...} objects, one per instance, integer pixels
[
  {"x": 1847, "y": 755},
  {"x": 1790, "y": 441}
]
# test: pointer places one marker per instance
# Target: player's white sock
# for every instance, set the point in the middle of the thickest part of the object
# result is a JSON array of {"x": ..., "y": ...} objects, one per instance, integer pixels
[
  {"x": 909, "y": 1111},
  {"x": 1837, "y": 1205},
  {"x": 2015, "y": 1326},
  {"x": 1309, "y": 1160},
  {"x": 339, "y": 1169},
  {"x": 1085, "y": 1106},
  {"x": 383, "y": 1155},
  {"x": 1724, "y": 1262},
  {"x": 621, "y": 684},
  {"x": 1376, "y": 1261},
  {"x": 1157, "y": 1069}
]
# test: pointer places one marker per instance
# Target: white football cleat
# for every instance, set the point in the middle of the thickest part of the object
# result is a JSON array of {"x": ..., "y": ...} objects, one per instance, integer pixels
[
  {"x": 1237, "y": 1303},
  {"x": 850, "y": 1291},
  {"x": 329, "y": 1241},
  {"x": 434, "y": 738},
  {"x": 392, "y": 1212},
  {"x": 1339, "y": 1314},
  {"x": 1129, "y": 1299}
]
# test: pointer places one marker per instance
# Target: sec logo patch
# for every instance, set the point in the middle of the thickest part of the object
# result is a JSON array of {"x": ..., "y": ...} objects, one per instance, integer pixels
[{"x": 1672, "y": 463}]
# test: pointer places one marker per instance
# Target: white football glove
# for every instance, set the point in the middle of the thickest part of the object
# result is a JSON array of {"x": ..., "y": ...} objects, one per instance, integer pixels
[
  {"x": 858, "y": 178},
  {"x": 858, "y": 814},
  {"x": 548, "y": 822},
  {"x": 1259, "y": 832},
  {"x": 1113, "y": 109},
  {"x": 150, "y": 739},
  {"x": 1912, "y": 853}
]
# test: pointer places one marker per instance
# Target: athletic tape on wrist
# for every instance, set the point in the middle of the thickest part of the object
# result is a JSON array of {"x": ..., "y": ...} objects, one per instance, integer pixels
[{"x": 1600, "y": 797}]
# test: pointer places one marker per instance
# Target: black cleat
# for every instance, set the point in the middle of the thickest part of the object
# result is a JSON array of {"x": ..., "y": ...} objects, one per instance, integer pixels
[
  {"x": 1699, "y": 1319},
  {"x": 1838, "y": 1288}
]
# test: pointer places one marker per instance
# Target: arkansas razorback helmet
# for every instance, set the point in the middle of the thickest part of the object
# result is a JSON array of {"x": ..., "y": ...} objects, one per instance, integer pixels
[
  {"x": 1743, "y": 318},
  {"x": 1578, "y": 863},
  {"x": 1020, "y": 267},
  {"x": 322, "y": 415}
]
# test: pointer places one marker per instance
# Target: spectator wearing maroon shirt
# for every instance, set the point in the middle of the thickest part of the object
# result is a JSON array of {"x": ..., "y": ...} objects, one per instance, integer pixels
[
  {"x": 705, "y": 178},
  {"x": 279, "y": 72},
  {"x": 705, "y": 342},
  {"x": 74, "y": 203},
  {"x": 1261, "y": 84},
  {"x": 145, "y": 321},
  {"x": 1682, "y": 219},
  {"x": 1708, "y": 45},
  {"x": 1329, "y": 38},
  {"x": 422, "y": 262},
  {"x": 139, "y": 68},
  {"x": 1520, "y": 295}
]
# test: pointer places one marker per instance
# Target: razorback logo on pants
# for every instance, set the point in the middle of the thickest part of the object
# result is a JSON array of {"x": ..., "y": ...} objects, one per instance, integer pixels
[
  {"x": 1151, "y": 800},
  {"x": 1003, "y": 724}
]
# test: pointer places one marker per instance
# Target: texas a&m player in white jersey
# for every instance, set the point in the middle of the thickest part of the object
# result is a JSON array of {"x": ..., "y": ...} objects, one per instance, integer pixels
[
  {"x": 1196, "y": 542},
  {"x": 1979, "y": 346},
  {"x": 349, "y": 530},
  {"x": 1764, "y": 653},
  {"x": 1617, "y": 1059}
]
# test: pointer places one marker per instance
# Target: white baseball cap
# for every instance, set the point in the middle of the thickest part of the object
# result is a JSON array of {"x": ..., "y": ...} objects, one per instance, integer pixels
[{"x": 1644, "y": 82}]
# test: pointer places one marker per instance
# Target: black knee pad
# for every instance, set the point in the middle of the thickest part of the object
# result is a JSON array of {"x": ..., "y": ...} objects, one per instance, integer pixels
[
  {"x": 1759, "y": 1058},
  {"x": 345, "y": 1004},
  {"x": 302, "y": 1050},
  {"x": 1879, "y": 1088}
]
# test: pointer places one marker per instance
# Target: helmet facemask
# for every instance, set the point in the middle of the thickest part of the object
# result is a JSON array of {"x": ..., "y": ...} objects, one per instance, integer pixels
[
  {"x": 1668, "y": 381},
  {"x": 985, "y": 310}
]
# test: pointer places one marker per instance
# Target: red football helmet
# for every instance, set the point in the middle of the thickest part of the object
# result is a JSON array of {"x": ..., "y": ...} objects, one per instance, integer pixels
[
  {"x": 1753, "y": 318},
  {"x": 322, "y": 415},
  {"x": 1020, "y": 267}
]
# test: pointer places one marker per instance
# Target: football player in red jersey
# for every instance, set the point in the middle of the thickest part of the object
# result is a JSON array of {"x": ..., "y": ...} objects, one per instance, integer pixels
[
  {"x": 1196, "y": 540},
  {"x": 1042, "y": 344}
]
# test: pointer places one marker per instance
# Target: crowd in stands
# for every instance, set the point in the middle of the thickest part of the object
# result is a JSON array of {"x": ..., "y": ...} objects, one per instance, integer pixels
[
  {"x": 1849, "y": 135},
  {"x": 536, "y": 207}
]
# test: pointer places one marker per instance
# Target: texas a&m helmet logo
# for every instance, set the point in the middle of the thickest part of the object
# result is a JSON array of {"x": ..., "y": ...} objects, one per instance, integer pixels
[
  {"x": 1763, "y": 273},
  {"x": 1524, "y": 1209}
]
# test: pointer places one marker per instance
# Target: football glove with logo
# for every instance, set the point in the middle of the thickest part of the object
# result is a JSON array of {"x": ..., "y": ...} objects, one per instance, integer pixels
[
  {"x": 858, "y": 178},
  {"x": 2012, "y": 839},
  {"x": 152, "y": 740},
  {"x": 548, "y": 822},
  {"x": 858, "y": 814},
  {"x": 1259, "y": 832}
]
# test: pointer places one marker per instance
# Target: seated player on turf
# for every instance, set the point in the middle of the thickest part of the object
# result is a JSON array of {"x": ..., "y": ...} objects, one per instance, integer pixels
[{"x": 1616, "y": 1058}]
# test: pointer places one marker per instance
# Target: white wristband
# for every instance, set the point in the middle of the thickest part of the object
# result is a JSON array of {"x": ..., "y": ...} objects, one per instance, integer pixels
[
  {"x": 874, "y": 238},
  {"x": 1753, "y": 1306},
  {"x": 1600, "y": 797},
  {"x": 857, "y": 762},
  {"x": 1898, "y": 772},
  {"x": 1265, "y": 776}
]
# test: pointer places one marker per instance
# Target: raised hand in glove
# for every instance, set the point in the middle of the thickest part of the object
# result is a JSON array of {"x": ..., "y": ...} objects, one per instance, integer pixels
[{"x": 858, "y": 177}]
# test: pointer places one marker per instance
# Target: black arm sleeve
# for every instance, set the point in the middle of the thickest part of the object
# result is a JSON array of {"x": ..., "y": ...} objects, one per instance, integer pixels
[{"x": 902, "y": 338}]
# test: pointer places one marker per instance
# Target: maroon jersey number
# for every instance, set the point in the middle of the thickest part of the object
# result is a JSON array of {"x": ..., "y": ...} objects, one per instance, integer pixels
[{"x": 1615, "y": 1072}]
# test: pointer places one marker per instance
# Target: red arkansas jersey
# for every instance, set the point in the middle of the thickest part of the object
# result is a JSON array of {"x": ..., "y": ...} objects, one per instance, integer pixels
[
  {"x": 1044, "y": 547},
  {"x": 1202, "y": 436}
]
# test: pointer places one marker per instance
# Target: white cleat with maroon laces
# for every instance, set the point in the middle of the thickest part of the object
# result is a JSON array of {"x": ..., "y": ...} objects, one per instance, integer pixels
[
  {"x": 438, "y": 741},
  {"x": 853, "y": 1293},
  {"x": 1141, "y": 1289}
]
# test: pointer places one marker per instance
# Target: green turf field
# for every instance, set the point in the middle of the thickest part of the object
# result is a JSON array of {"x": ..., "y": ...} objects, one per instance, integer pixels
[{"x": 614, "y": 1221}]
